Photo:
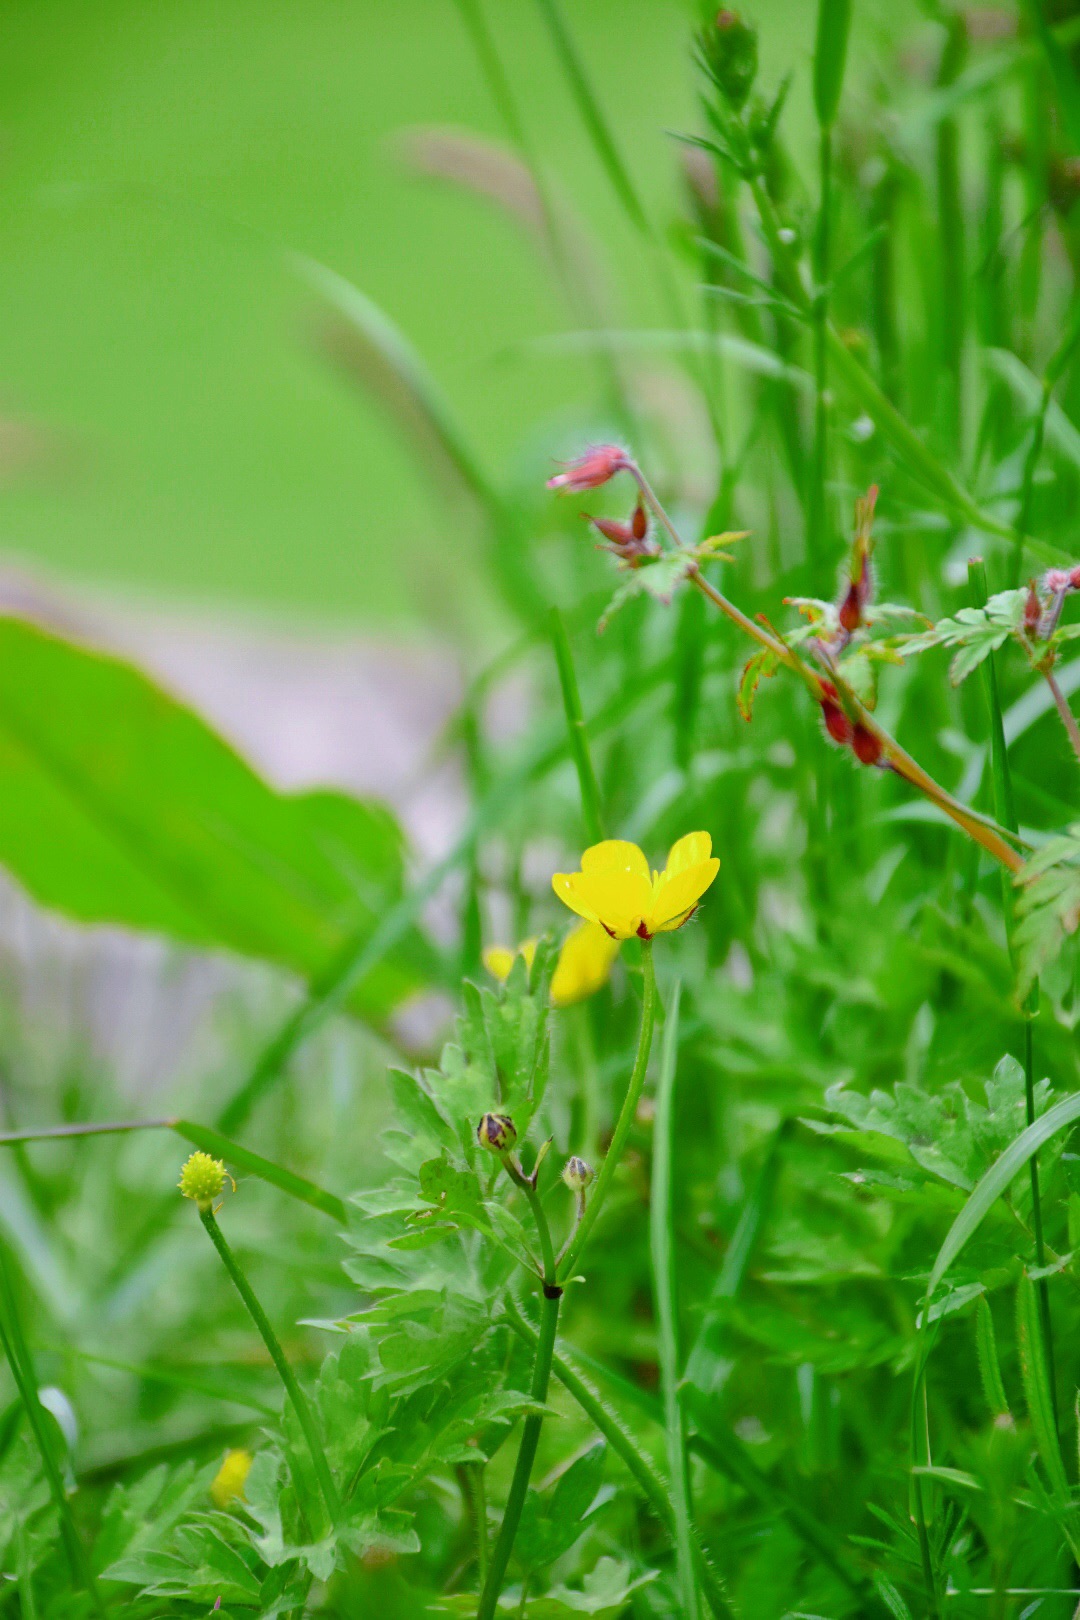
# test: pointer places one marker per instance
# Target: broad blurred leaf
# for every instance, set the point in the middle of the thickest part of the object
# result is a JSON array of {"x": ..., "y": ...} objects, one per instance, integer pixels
[{"x": 120, "y": 805}]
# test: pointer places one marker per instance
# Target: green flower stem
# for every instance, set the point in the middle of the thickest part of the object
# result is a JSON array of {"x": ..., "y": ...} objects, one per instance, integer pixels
[
  {"x": 530, "y": 1438},
  {"x": 625, "y": 1120},
  {"x": 277, "y": 1356},
  {"x": 625, "y": 1446}
]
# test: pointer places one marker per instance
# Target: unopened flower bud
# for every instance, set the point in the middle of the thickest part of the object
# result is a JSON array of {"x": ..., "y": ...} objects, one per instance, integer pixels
[
  {"x": 851, "y": 610},
  {"x": 202, "y": 1179},
  {"x": 1074, "y": 578},
  {"x": 599, "y": 463},
  {"x": 497, "y": 1132},
  {"x": 1032, "y": 609},
  {"x": 229, "y": 1481},
  {"x": 1057, "y": 580},
  {"x": 730, "y": 49},
  {"x": 577, "y": 1174}
]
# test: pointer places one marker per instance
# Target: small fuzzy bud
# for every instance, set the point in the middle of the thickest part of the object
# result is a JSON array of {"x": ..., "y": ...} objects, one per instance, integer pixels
[
  {"x": 1057, "y": 580},
  {"x": 599, "y": 463},
  {"x": 730, "y": 49},
  {"x": 1074, "y": 578},
  {"x": 202, "y": 1179},
  {"x": 1032, "y": 609},
  {"x": 866, "y": 746},
  {"x": 577, "y": 1174},
  {"x": 497, "y": 1133}
]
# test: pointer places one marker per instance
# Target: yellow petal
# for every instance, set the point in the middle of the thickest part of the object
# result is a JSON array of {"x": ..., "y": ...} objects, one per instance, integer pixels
[
  {"x": 615, "y": 854},
  {"x": 527, "y": 949},
  {"x": 498, "y": 960},
  {"x": 584, "y": 964},
  {"x": 676, "y": 896},
  {"x": 618, "y": 900},
  {"x": 565, "y": 886},
  {"x": 690, "y": 850}
]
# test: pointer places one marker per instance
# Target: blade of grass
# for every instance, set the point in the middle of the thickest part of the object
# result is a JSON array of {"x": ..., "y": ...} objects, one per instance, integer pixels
[
  {"x": 16, "y": 1350},
  {"x": 591, "y": 814},
  {"x": 200, "y": 1136},
  {"x": 665, "y": 1300},
  {"x": 1005, "y": 811},
  {"x": 625, "y": 1446},
  {"x": 1038, "y": 1393},
  {"x": 998, "y": 1179},
  {"x": 830, "y": 57}
]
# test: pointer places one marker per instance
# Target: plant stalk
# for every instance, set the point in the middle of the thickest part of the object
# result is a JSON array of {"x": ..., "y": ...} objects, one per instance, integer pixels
[
  {"x": 625, "y": 1120},
  {"x": 277, "y": 1356},
  {"x": 530, "y": 1438},
  {"x": 1068, "y": 719}
]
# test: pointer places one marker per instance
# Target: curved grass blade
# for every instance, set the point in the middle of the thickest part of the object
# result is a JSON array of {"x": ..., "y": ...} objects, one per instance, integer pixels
[
  {"x": 15, "y": 1348},
  {"x": 1037, "y": 1391},
  {"x": 200, "y": 1136},
  {"x": 661, "y": 1221},
  {"x": 997, "y": 1179}
]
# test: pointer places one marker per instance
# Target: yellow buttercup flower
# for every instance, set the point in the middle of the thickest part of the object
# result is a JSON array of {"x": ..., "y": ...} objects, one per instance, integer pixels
[
  {"x": 616, "y": 889},
  {"x": 584, "y": 966},
  {"x": 229, "y": 1481},
  {"x": 499, "y": 959}
]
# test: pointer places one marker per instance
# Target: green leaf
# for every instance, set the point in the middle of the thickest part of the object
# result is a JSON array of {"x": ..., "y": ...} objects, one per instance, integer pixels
[
  {"x": 121, "y": 805},
  {"x": 1037, "y": 1392},
  {"x": 975, "y": 631},
  {"x": 551, "y": 1521}
]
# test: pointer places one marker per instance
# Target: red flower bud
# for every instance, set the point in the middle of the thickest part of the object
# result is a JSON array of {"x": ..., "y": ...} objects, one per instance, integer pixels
[
  {"x": 851, "y": 610},
  {"x": 599, "y": 463},
  {"x": 1032, "y": 609},
  {"x": 1074, "y": 579},
  {"x": 639, "y": 523},
  {"x": 866, "y": 745},
  {"x": 836, "y": 721}
]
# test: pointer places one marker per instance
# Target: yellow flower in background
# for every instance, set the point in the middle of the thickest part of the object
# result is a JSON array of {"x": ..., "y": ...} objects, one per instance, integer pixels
[
  {"x": 499, "y": 959},
  {"x": 584, "y": 966},
  {"x": 229, "y": 1481},
  {"x": 616, "y": 889}
]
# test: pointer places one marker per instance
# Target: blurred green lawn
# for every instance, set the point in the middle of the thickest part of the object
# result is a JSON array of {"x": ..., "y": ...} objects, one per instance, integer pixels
[{"x": 157, "y": 158}]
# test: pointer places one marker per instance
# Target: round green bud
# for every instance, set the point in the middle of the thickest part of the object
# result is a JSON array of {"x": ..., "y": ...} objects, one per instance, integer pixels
[
  {"x": 730, "y": 48},
  {"x": 496, "y": 1132},
  {"x": 202, "y": 1179},
  {"x": 577, "y": 1174}
]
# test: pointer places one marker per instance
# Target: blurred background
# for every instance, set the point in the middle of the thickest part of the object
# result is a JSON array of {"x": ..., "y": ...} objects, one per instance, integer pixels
[{"x": 171, "y": 432}]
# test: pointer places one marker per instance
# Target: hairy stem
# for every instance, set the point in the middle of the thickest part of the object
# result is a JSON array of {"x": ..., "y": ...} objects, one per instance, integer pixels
[
  {"x": 1068, "y": 719},
  {"x": 277, "y": 1356},
  {"x": 530, "y": 1438},
  {"x": 625, "y": 1119}
]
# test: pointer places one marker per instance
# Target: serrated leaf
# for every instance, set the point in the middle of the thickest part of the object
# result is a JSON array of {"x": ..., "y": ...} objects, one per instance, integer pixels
[
  {"x": 975, "y": 632},
  {"x": 762, "y": 666}
]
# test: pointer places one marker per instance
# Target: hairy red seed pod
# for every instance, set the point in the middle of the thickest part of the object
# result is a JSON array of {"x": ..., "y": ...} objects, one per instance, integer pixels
[
  {"x": 866, "y": 746},
  {"x": 1032, "y": 609}
]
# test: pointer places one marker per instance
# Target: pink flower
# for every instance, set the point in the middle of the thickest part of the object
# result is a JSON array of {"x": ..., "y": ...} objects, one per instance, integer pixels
[
  {"x": 1057, "y": 580},
  {"x": 599, "y": 463}
]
